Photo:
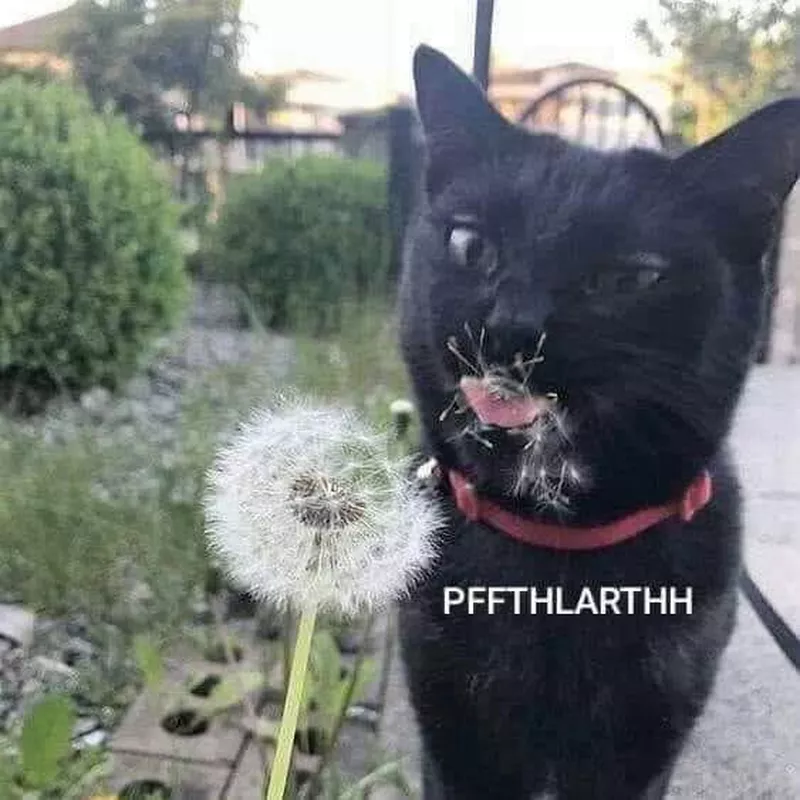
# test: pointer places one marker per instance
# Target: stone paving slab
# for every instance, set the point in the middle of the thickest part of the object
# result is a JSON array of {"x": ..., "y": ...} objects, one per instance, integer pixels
[
  {"x": 747, "y": 743},
  {"x": 766, "y": 442},
  {"x": 248, "y": 782},
  {"x": 772, "y": 552},
  {"x": 188, "y": 781},
  {"x": 766, "y": 434},
  {"x": 141, "y": 732}
]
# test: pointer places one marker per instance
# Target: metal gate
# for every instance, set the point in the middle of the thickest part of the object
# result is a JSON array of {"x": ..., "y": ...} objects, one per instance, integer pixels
[{"x": 597, "y": 112}]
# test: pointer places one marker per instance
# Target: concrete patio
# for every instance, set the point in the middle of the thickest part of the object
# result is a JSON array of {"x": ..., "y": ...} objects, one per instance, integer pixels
[{"x": 747, "y": 744}]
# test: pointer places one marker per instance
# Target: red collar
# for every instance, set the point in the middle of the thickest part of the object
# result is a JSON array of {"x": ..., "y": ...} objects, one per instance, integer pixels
[{"x": 562, "y": 537}]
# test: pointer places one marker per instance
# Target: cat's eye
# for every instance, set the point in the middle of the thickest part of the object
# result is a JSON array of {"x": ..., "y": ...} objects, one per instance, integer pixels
[
  {"x": 621, "y": 281},
  {"x": 469, "y": 248}
]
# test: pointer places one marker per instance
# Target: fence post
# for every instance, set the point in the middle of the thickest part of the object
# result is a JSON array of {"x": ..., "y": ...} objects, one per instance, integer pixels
[
  {"x": 482, "y": 45},
  {"x": 401, "y": 178}
]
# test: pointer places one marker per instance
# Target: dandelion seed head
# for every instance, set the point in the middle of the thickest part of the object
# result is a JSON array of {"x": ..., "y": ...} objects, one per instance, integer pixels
[
  {"x": 305, "y": 507},
  {"x": 401, "y": 407}
]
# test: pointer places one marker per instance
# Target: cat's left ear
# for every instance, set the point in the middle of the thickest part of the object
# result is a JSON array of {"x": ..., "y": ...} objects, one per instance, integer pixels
[
  {"x": 460, "y": 124},
  {"x": 744, "y": 176}
]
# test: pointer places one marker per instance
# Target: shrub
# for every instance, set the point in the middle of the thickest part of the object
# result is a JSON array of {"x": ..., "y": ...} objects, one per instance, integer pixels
[
  {"x": 90, "y": 266},
  {"x": 304, "y": 238}
]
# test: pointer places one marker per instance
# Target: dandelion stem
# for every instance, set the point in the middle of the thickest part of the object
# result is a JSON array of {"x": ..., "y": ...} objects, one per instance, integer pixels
[{"x": 291, "y": 707}]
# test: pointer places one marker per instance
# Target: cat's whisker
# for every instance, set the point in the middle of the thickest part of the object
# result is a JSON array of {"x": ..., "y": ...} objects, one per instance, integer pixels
[
  {"x": 471, "y": 338},
  {"x": 474, "y": 435},
  {"x": 523, "y": 366},
  {"x": 561, "y": 478},
  {"x": 540, "y": 345},
  {"x": 453, "y": 404},
  {"x": 477, "y": 347},
  {"x": 481, "y": 342},
  {"x": 452, "y": 346}
]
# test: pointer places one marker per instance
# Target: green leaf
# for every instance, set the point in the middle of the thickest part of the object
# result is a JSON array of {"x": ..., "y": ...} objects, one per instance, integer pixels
[
  {"x": 46, "y": 740},
  {"x": 327, "y": 687},
  {"x": 231, "y": 691},
  {"x": 149, "y": 661}
]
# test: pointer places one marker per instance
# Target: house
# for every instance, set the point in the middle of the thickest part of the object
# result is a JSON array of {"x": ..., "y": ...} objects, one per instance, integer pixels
[
  {"x": 319, "y": 105},
  {"x": 312, "y": 101},
  {"x": 33, "y": 43}
]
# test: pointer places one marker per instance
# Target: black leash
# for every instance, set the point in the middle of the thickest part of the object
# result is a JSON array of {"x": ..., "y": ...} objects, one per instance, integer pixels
[{"x": 783, "y": 635}]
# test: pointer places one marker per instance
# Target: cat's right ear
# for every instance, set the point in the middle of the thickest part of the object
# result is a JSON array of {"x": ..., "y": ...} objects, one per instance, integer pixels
[
  {"x": 460, "y": 124},
  {"x": 744, "y": 176}
]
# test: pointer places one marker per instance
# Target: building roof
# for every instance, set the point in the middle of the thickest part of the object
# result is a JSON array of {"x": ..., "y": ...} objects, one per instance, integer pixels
[
  {"x": 527, "y": 75},
  {"x": 38, "y": 34},
  {"x": 297, "y": 75}
]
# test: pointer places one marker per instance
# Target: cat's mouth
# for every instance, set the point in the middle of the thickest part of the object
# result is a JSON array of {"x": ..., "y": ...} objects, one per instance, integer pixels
[
  {"x": 514, "y": 437},
  {"x": 502, "y": 404},
  {"x": 525, "y": 438}
]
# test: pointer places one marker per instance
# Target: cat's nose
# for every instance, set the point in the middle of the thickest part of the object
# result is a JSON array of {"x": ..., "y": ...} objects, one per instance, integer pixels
[{"x": 517, "y": 325}]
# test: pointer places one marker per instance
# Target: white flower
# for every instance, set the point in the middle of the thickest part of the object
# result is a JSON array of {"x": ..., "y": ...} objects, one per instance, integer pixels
[
  {"x": 306, "y": 508},
  {"x": 402, "y": 411},
  {"x": 401, "y": 408}
]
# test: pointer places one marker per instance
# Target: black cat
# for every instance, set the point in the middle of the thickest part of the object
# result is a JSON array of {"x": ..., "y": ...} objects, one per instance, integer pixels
[{"x": 578, "y": 326}]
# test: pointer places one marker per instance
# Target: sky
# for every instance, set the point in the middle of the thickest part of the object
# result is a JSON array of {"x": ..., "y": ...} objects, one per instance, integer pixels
[{"x": 371, "y": 41}]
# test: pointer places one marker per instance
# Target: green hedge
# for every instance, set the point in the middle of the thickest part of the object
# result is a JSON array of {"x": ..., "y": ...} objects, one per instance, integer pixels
[
  {"x": 90, "y": 266},
  {"x": 304, "y": 239}
]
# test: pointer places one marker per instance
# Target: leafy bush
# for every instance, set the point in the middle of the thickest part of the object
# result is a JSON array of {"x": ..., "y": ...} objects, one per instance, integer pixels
[
  {"x": 305, "y": 238},
  {"x": 90, "y": 266}
]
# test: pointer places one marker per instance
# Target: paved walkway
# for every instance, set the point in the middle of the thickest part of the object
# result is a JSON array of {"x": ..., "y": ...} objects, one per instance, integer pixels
[{"x": 747, "y": 744}]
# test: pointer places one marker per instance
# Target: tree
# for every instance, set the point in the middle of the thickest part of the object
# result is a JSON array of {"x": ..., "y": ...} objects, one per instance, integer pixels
[
  {"x": 134, "y": 54},
  {"x": 732, "y": 58},
  {"x": 104, "y": 47}
]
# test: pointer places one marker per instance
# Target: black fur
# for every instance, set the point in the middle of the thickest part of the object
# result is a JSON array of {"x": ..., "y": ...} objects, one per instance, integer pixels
[{"x": 593, "y": 707}]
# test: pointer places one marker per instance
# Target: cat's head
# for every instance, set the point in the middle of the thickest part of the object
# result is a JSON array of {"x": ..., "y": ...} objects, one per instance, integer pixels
[{"x": 578, "y": 324}]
